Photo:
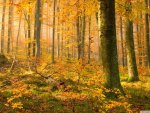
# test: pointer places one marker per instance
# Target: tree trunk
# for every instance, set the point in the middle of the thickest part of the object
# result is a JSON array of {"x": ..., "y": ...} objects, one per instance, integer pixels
[
  {"x": 62, "y": 41},
  {"x": 29, "y": 35},
  {"x": 121, "y": 37},
  {"x": 147, "y": 34},
  {"x": 99, "y": 38},
  {"x": 89, "y": 47},
  {"x": 37, "y": 29},
  {"x": 53, "y": 37},
  {"x": 79, "y": 37},
  {"x": 109, "y": 46},
  {"x": 10, "y": 25},
  {"x": 18, "y": 34},
  {"x": 83, "y": 35},
  {"x": 3, "y": 27},
  {"x": 58, "y": 31},
  {"x": 132, "y": 67}
]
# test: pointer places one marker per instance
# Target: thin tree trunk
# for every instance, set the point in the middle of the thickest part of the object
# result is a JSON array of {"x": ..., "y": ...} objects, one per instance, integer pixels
[
  {"x": 83, "y": 35},
  {"x": 62, "y": 41},
  {"x": 53, "y": 37},
  {"x": 3, "y": 27},
  {"x": 147, "y": 34},
  {"x": 89, "y": 47},
  {"x": 138, "y": 43},
  {"x": 58, "y": 33},
  {"x": 10, "y": 25},
  {"x": 29, "y": 35},
  {"x": 121, "y": 37},
  {"x": 18, "y": 34},
  {"x": 79, "y": 37}
]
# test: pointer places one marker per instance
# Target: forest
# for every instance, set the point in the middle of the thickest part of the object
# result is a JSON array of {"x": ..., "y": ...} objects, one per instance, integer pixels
[{"x": 74, "y": 56}]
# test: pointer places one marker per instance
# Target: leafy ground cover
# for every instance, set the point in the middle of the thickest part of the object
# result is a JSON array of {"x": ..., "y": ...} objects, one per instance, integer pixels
[{"x": 69, "y": 87}]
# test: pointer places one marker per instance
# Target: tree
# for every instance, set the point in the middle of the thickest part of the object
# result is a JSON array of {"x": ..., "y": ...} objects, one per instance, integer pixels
[
  {"x": 3, "y": 27},
  {"x": 132, "y": 67},
  {"x": 99, "y": 38},
  {"x": 10, "y": 25},
  {"x": 18, "y": 34},
  {"x": 28, "y": 21},
  {"x": 53, "y": 37},
  {"x": 147, "y": 34},
  {"x": 83, "y": 33},
  {"x": 29, "y": 34},
  {"x": 58, "y": 31},
  {"x": 122, "y": 47},
  {"x": 90, "y": 38},
  {"x": 79, "y": 36},
  {"x": 37, "y": 29},
  {"x": 108, "y": 41}
]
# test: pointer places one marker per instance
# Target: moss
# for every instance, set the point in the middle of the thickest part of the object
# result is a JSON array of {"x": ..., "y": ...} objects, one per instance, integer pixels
[{"x": 133, "y": 79}]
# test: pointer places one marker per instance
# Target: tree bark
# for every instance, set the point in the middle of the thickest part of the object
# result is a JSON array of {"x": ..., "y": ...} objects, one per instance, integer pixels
[
  {"x": 79, "y": 37},
  {"x": 10, "y": 25},
  {"x": 18, "y": 34},
  {"x": 29, "y": 34},
  {"x": 37, "y": 29},
  {"x": 147, "y": 34},
  {"x": 53, "y": 37},
  {"x": 122, "y": 47},
  {"x": 3, "y": 27},
  {"x": 89, "y": 46},
  {"x": 132, "y": 67},
  {"x": 109, "y": 46}
]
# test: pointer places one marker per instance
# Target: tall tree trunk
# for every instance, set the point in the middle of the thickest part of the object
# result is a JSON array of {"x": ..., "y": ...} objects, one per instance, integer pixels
[
  {"x": 62, "y": 41},
  {"x": 34, "y": 41},
  {"x": 121, "y": 37},
  {"x": 109, "y": 46},
  {"x": 83, "y": 35},
  {"x": 10, "y": 25},
  {"x": 3, "y": 27},
  {"x": 29, "y": 35},
  {"x": 58, "y": 42},
  {"x": 89, "y": 46},
  {"x": 37, "y": 29},
  {"x": 99, "y": 38},
  {"x": 79, "y": 37},
  {"x": 58, "y": 32},
  {"x": 147, "y": 34},
  {"x": 18, "y": 34},
  {"x": 138, "y": 43},
  {"x": 53, "y": 37},
  {"x": 132, "y": 67}
]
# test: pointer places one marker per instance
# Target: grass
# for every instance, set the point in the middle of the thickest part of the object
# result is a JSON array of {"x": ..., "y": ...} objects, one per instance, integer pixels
[
  {"x": 26, "y": 92},
  {"x": 139, "y": 91}
]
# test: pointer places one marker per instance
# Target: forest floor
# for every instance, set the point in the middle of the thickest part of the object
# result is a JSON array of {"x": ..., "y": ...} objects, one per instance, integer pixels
[{"x": 69, "y": 87}]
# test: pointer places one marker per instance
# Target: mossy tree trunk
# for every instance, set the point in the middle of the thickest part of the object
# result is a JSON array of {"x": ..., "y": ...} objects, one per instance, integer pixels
[
  {"x": 109, "y": 46},
  {"x": 131, "y": 59}
]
